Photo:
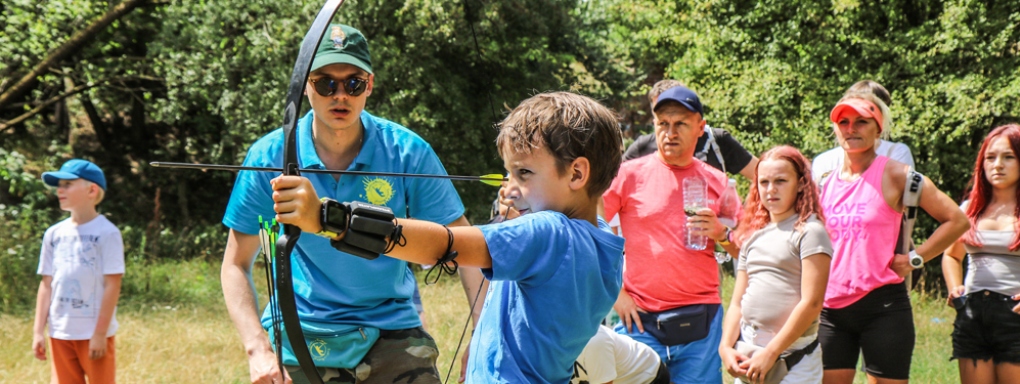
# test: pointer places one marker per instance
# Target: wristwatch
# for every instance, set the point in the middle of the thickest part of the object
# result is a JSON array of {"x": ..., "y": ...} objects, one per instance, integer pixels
[
  {"x": 916, "y": 260},
  {"x": 333, "y": 218},
  {"x": 726, "y": 237}
]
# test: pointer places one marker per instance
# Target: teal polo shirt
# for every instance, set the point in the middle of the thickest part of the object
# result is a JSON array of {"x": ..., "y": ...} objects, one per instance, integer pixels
[{"x": 332, "y": 287}]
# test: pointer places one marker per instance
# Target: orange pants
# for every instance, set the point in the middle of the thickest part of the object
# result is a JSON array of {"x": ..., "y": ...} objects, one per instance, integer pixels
[{"x": 71, "y": 363}]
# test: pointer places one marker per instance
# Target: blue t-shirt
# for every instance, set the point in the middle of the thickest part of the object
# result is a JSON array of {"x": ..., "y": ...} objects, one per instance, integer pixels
[
  {"x": 332, "y": 287},
  {"x": 553, "y": 280}
]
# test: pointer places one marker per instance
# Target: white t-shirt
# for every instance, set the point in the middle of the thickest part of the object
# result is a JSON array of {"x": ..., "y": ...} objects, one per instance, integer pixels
[
  {"x": 78, "y": 257},
  {"x": 610, "y": 356},
  {"x": 832, "y": 159}
]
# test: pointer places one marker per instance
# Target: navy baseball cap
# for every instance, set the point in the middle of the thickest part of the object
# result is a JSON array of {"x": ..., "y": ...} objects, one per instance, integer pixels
[
  {"x": 76, "y": 169},
  {"x": 682, "y": 95}
]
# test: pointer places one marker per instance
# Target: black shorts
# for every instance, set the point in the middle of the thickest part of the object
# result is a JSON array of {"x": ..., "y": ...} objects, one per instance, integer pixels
[
  {"x": 986, "y": 328},
  {"x": 880, "y": 325},
  {"x": 662, "y": 376}
]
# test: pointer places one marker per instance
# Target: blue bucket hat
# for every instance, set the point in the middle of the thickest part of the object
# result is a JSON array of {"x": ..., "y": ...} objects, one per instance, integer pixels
[
  {"x": 682, "y": 95},
  {"x": 76, "y": 169}
]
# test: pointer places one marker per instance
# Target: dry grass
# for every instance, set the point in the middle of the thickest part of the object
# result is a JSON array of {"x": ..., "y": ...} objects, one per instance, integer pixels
[
  {"x": 933, "y": 322},
  {"x": 200, "y": 345}
]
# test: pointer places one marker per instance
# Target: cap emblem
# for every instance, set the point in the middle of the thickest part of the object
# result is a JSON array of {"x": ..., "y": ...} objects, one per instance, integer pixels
[{"x": 338, "y": 36}]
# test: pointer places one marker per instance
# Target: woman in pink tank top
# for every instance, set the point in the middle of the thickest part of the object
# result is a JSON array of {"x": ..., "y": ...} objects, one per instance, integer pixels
[{"x": 867, "y": 309}]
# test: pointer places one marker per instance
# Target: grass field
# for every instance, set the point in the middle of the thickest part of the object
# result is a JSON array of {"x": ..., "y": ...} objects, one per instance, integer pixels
[{"x": 198, "y": 344}]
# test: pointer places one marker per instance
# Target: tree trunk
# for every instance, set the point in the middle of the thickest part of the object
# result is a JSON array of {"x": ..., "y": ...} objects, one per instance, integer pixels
[{"x": 69, "y": 47}]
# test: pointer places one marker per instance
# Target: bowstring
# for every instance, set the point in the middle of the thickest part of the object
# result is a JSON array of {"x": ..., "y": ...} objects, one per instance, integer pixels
[
  {"x": 492, "y": 109},
  {"x": 464, "y": 331}
]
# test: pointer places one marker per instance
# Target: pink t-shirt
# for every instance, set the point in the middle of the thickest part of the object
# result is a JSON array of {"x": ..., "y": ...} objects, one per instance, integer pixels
[
  {"x": 863, "y": 228},
  {"x": 661, "y": 273}
]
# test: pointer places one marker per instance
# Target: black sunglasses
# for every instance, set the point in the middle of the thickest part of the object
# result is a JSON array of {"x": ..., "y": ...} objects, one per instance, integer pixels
[{"x": 326, "y": 86}]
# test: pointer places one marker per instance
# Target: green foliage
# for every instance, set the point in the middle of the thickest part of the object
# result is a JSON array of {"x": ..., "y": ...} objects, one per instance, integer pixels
[
  {"x": 173, "y": 283},
  {"x": 770, "y": 71},
  {"x": 199, "y": 81}
]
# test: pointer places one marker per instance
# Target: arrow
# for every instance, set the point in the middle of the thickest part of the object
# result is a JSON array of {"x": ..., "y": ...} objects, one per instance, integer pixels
[{"x": 493, "y": 179}]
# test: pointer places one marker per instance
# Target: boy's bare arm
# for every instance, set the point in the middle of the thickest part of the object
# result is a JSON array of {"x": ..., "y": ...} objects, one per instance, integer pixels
[
  {"x": 427, "y": 243},
  {"x": 111, "y": 294},
  {"x": 42, "y": 314}
]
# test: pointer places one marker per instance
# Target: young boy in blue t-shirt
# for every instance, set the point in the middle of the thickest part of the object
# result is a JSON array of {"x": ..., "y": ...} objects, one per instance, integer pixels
[{"x": 555, "y": 271}]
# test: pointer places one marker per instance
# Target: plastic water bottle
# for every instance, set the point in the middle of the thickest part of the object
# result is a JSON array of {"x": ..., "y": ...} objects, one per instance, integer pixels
[
  {"x": 729, "y": 211},
  {"x": 729, "y": 205},
  {"x": 695, "y": 198}
]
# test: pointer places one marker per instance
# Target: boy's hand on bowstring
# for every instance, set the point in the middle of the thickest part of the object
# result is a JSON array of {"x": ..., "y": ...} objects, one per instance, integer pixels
[{"x": 296, "y": 203}]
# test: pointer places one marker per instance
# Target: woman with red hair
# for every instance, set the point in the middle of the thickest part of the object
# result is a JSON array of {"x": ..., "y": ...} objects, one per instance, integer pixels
[
  {"x": 867, "y": 310},
  {"x": 986, "y": 333},
  {"x": 781, "y": 276}
]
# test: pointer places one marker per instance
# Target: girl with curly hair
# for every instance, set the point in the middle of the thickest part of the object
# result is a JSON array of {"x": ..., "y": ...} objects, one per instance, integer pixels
[{"x": 781, "y": 277}]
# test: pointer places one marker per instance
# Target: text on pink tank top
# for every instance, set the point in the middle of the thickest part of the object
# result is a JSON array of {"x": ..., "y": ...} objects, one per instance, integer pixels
[{"x": 864, "y": 229}]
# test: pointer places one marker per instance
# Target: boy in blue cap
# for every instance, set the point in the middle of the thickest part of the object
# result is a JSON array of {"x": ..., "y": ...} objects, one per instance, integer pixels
[
  {"x": 82, "y": 262},
  {"x": 336, "y": 293},
  {"x": 555, "y": 271}
]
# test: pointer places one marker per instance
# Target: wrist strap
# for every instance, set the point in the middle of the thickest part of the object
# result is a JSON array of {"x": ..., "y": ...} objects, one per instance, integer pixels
[{"x": 448, "y": 257}]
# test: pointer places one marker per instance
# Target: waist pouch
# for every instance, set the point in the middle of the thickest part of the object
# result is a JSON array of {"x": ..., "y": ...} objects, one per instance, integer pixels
[
  {"x": 782, "y": 366},
  {"x": 680, "y": 325},
  {"x": 338, "y": 346}
]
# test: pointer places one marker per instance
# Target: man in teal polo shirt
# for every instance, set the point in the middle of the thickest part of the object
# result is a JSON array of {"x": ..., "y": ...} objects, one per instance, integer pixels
[{"x": 339, "y": 295}]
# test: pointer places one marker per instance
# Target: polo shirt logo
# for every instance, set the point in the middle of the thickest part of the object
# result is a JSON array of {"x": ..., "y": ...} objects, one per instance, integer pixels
[{"x": 378, "y": 191}]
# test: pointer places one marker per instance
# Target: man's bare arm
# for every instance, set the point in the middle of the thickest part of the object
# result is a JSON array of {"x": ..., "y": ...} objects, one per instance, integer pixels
[{"x": 242, "y": 305}]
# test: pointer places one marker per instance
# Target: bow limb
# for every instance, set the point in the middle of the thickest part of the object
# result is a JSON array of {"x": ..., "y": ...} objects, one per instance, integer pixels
[{"x": 285, "y": 244}]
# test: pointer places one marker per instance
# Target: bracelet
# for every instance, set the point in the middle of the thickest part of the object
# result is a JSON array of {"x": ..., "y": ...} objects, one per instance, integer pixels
[
  {"x": 726, "y": 237},
  {"x": 448, "y": 257}
]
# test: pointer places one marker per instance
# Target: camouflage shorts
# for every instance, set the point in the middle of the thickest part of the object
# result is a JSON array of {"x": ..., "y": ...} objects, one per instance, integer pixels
[{"x": 404, "y": 356}]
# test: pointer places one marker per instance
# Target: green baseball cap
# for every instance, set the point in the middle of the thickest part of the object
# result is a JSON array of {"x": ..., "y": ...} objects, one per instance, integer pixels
[{"x": 343, "y": 44}]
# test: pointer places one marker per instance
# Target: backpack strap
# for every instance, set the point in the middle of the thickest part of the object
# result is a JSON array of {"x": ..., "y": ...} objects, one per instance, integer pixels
[
  {"x": 911, "y": 199},
  {"x": 711, "y": 145},
  {"x": 822, "y": 180}
]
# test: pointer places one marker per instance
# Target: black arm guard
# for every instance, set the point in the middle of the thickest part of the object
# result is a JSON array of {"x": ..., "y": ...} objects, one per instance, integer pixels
[{"x": 367, "y": 230}]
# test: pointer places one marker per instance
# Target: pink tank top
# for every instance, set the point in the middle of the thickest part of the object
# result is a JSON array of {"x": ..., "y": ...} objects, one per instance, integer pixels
[{"x": 863, "y": 229}]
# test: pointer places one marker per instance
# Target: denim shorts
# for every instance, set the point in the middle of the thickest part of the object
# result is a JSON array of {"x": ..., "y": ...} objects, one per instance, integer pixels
[{"x": 986, "y": 328}]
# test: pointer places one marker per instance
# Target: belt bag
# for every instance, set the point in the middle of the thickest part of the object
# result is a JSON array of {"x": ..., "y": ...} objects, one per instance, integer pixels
[
  {"x": 339, "y": 346},
  {"x": 782, "y": 366},
  {"x": 680, "y": 325}
]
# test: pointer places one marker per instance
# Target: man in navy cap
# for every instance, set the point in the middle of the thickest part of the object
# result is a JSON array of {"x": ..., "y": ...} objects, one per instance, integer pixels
[
  {"x": 716, "y": 147},
  {"x": 359, "y": 312},
  {"x": 670, "y": 299}
]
